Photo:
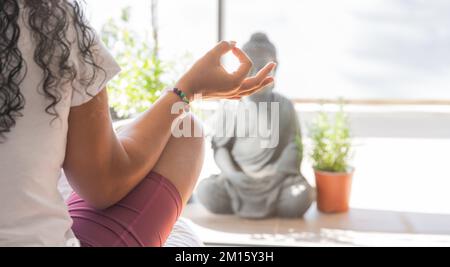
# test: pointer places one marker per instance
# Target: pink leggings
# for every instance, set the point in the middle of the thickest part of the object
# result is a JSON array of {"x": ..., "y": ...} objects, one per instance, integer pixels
[{"x": 144, "y": 218}]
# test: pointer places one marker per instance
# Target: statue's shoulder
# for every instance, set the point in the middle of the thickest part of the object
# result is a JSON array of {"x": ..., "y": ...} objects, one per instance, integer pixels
[
  {"x": 284, "y": 101},
  {"x": 287, "y": 108}
]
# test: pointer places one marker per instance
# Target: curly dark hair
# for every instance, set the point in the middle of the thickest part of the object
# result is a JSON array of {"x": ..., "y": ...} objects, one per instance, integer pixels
[{"x": 49, "y": 21}]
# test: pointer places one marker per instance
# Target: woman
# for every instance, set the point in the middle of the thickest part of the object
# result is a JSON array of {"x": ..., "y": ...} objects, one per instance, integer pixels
[{"x": 131, "y": 186}]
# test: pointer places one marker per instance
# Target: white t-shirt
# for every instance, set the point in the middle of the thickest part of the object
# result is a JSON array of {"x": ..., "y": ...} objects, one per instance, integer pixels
[{"x": 32, "y": 211}]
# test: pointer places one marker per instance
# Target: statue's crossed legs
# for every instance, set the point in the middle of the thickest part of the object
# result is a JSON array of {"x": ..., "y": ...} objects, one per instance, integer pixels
[{"x": 295, "y": 198}]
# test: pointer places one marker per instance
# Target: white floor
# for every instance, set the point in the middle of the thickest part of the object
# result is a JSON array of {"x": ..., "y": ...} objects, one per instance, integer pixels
[{"x": 359, "y": 227}]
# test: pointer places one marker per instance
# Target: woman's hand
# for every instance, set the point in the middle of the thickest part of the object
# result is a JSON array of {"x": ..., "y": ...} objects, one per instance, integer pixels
[{"x": 209, "y": 79}]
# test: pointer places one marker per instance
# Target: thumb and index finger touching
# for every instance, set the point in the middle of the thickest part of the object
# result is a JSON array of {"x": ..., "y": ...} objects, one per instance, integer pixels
[
  {"x": 240, "y": 75},
  {"x": 245, "y": 63}
]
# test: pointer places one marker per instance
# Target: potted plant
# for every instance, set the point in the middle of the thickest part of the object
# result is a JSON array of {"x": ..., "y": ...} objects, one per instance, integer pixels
[{"x": 331, "y": 153}]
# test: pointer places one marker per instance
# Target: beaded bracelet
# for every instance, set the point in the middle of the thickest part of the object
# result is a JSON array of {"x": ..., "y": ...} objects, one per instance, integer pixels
[{"x": 182, "y": 95}]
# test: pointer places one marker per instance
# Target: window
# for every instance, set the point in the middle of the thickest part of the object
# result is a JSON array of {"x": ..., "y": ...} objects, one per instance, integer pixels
[
  {"x": 354, "y": 49},
  {"x": 375, "y": 50},
  {"x": 186, "y": 28}
]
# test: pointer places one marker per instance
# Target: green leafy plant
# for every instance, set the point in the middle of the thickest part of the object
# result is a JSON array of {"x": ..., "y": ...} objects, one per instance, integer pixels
[
  {"x": 142, "y": 78},
  {"x": 299, "y": 144},
  {"x": 331, "y": 142}
]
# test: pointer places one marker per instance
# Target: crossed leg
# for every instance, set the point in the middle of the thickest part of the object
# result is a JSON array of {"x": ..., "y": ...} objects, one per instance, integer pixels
[
  {"x": 182, "y": 160},
  {"x": 145, "y": 217}
]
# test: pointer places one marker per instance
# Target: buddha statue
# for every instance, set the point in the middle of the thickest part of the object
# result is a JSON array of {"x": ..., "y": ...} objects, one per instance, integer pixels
[{"x": 259, "y": 180}]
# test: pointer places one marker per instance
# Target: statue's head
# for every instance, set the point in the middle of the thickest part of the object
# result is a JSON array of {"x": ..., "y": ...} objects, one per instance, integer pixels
[{"x": 261, "y": 51}]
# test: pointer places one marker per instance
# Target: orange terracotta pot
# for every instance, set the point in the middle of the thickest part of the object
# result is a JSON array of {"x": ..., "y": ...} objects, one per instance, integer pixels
[{"x": 333, "y": 191}]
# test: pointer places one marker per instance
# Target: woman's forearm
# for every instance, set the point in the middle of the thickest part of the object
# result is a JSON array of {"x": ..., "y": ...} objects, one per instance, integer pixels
[{"x": 144, "y": 140}]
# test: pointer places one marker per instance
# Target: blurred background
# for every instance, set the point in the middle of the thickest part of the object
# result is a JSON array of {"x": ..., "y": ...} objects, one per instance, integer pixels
[
  {"x": 388, "y": 60},
  {"x": 377, "y": 49}
]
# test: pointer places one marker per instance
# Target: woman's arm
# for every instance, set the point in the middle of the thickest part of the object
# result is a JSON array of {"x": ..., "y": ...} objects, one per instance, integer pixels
[{"x": 103, "y": 167}]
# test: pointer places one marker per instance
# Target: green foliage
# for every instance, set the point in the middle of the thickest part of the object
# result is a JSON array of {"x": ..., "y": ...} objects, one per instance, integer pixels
[
  {"x": 299, "y": 144},
  {"x": 141, "y": 80},
  {"x": 332, "y": 142}
]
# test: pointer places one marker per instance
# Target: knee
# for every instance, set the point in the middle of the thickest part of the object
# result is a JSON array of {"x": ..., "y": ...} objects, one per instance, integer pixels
[
  {"x": 295, "y": 201},
  {"x": 182, "y": 159},
  {"x": 204, "y": 192},
  {"x": 187, "y": 127},
  {"x": 213, "y": 196},
  {"x": 193, "y": 145},
  {"x": 190, "y": 143}
]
